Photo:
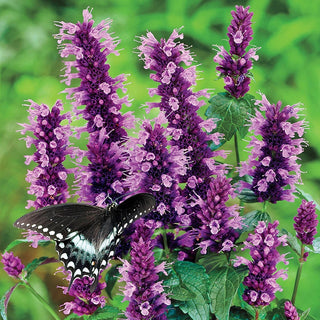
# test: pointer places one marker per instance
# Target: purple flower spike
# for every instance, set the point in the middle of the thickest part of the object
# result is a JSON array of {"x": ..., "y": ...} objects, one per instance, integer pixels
[
  {"x": 155, "y": 169},
  {"x": 290, "y": 311},
  {"x": 51, "y": 139},
  {"x": 261, "y": 282},
  {"x": 306, "y": 222},
  {"x": 273, "y": 159},
  {"x": 143, "y": 289},
  {"x": 180, "y": 105},
  {"x": 234, "y": 66},
  {"x": 85, "y": 302},
  {"x": 218, "y": 222},
  {"x": 98, "y": 91},
  {"x": 12, "y": 265}
]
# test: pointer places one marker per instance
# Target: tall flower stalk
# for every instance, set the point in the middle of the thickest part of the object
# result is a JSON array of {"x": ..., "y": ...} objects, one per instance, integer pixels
[
  {"x": 275, "y": 147},
  {"x": 180, "y": 104},
  {"x": 51, "y": 139},
  {"x": 102, "y": 178},
  {"x": 156, "y": 169},
  {"x": 143, "y": 289},
  {"x": 260, "y": 283},
  {"x": 234, "y": 65},
  {"x": 306, "y": 227}
]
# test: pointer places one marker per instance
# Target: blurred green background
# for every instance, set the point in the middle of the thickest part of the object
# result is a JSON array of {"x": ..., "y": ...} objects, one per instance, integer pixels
[{"x": 288, "y": 69}]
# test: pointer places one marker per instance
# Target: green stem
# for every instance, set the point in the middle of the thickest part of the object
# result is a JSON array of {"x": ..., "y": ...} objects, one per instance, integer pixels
[
  {"x": 236, "y": 149},
  {"x": 264, "y": 207},
  {"x": 298, "y": 275},
  {"x": 165, "y": 242},
  {"x": 43, "y": 301}
]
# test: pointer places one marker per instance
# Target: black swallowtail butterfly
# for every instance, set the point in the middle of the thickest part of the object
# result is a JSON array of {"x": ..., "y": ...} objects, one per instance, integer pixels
[{"x": 85, "y": 235}]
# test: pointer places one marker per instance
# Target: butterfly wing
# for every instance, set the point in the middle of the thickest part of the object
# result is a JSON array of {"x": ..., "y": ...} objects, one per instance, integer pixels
[
  {"x": 73, "y": 226},
  {"x": 85, "y": 235}
]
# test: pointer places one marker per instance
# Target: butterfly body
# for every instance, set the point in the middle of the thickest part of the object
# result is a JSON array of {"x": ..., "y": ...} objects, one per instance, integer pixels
[{"x": 85, "y": 235}]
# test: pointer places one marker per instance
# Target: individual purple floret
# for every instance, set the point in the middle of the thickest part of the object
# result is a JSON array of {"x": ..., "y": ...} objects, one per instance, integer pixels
[
  {"x": 143, "y": 289},
  {"x": 306, "y": 222},
  {"x": 260, "y": 283},
  {"x": 180, "y": 105},
  {"x": 218, "y": 221},
  {"x": 290, "y": 311},
  {"x": 12, "y": 265},
  {"x": 156, "y": 169},
  {"x": 98, "y": 92},
  {"x": 272, "y": 162},
  {"x": 51, "y": 139},
  {"x": 85, "y": 302},
  {"x": 234, "y": 66}
]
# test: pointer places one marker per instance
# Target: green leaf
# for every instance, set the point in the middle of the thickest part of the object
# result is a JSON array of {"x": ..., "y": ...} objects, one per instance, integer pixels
[
  {"x": 176, "y": 313},
  {"x": 224, "y": 284},
  {"x": 236, "y": 313},
  {"x": 189, "y": 277},
  {"x": 233, "y": 114},
  {"x": 107, "y": 312},
  {"x": 19, "y": 241},
  {"x": 248, "y": 196},
  {"x": 5, "y": 301},
  {"x": 251, "y": 219},
  {"x": 34, "y": 264},
  {"x": 213, "y": 260},
  {"x": 292, "y": 241},
  {"x": 111, "y": 279},
  {"x": 306, "y": 196},
  {"x": 315, "y": 246}
]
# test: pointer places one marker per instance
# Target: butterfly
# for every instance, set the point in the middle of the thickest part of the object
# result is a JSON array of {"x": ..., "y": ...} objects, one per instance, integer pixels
[{"x": 86, "y": 236}]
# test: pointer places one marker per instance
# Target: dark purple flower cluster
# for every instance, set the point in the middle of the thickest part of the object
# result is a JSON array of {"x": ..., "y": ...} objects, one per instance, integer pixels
[
  {"x": 218, "y": 221},
  {"x": 180, "y": 105},
  {"x": 51, "y": 139},
  {"x": 306, "y": 222},
  {"x": 98, "y": 92},
  {"x": 234, "y": 66},
  {"x": 12, "y": 265},
  {"x": 143, "y": 289},
  {"x": 156, "y": 169},
  {"x": 261, "y": 282},
  {"x": 273, "y": 159},
  {"x": 85, "y": 302},
  {"x": 290, "y": 311}
]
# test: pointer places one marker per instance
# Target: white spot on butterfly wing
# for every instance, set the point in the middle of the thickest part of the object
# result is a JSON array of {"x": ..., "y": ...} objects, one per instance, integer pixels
[
  {"x": 59, "y": 235},
  {"x": 85, "y": 270},
  {"x": 45, "y": 229},
  {"x": 52, "y": 232},
  {"x": 77, "y": 272},
  {"x": 61, "y": 245},
  {"x": 70, "y": 264},
  {"x": 64, "y": 256}
]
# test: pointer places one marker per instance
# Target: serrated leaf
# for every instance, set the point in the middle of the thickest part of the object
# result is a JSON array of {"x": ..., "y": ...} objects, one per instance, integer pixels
[
  {"x": 224, "y": 284},
  {"x": 236, "y": 313},
  {"x": 176, "y": 313},
  {"x": 111, "y": 279},
  {"x": 213, "y": 260},
  {"x": 248, "y": 196},
  {"x": 107, "y": 312},
  {"x": 34, "y": 264},
  {"x": 191, "y": 277},
  {"x": 5, "y": 301},
  {"x": 233, "y": 114},
  {"x": 292, "y": 241},
  {"x": 304, "y": 195},
  {"x": 251, "y": 219}
]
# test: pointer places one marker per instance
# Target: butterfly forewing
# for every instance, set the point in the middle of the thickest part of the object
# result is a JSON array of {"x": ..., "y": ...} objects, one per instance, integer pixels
[{"x": 85, "y": 235}]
